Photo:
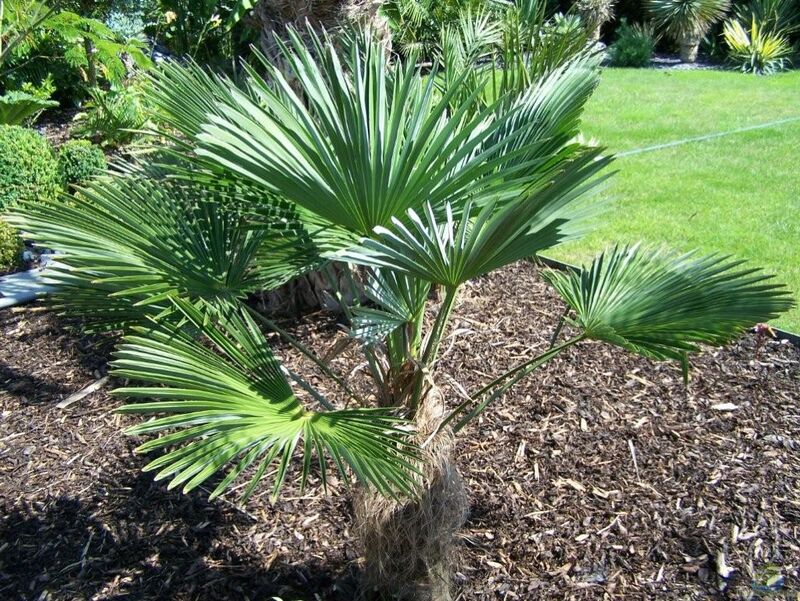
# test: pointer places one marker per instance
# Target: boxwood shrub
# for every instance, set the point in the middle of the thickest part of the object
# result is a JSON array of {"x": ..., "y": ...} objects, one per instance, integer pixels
[
  {"x": 79, "y": 161},
  {"x": 28, "y": 166},
  {"x": 11, "y": 248}
]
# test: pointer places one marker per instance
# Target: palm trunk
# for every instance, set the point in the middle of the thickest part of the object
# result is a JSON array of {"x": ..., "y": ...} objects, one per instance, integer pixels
[
  {"x": 409, "y": 545},
  {"x": 276, "y": 15},
  {"x": 314, "y": 290},
  {"x": 689, "y": 45}
]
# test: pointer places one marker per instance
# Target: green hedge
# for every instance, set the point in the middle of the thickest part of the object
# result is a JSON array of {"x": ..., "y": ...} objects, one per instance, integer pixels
[
  {"x": 28, "y": 166},
  {"x": 79, "y": 161}
]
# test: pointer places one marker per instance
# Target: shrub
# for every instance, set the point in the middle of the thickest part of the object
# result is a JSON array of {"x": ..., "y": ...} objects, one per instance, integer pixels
[
  {"x": 758, "y": 50},
  {"x": 633, "y": 47},
  {"x": 79, "y": 160},
  {"x": 28, "y": 167},
  {"x": 11, "y": 247},
  {"x": 111, "y": 117},
  {"x": 687, "y": 21}
]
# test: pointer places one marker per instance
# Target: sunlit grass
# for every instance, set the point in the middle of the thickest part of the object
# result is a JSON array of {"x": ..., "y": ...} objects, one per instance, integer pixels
[{"x": 738, "y": 194}]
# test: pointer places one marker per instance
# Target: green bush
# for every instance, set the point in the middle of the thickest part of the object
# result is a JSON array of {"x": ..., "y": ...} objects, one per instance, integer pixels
[
  {"x": 11, "y": 247},
  {"x": 112, "y": 116},
  {"x": 79, "y": 161},
  {"x": 633, "y": 47},
  {"x": 756, "y": 50},
  {"x": 28, "y": 166}
]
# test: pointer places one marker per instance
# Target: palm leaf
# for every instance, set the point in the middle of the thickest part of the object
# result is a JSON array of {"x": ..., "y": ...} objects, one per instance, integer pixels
[
  {"x": 128, "y": 243},
  {"x": 365, "y": 141},
  {"x": 451, "y": 251},
  {"x": 222, "y": 400},
  {"x": 662, "y": 306}
]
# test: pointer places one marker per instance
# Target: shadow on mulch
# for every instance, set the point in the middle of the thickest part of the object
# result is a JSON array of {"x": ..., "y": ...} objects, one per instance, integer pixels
[
  {"x": 36, "y": 345},
  {"x": 600, "y": 477},
  {"x": 142, "y": 542}
]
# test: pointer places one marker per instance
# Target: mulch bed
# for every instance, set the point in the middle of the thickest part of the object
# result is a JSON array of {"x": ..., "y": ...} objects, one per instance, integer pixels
[{"x": 601, "y": 477}]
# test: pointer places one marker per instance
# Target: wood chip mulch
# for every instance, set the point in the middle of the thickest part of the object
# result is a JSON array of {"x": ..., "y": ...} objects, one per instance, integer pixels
[{"x": 599, "y": 477}]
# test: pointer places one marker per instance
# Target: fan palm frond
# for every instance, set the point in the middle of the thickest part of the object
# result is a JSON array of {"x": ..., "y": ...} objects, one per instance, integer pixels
[
  {"x": 452, "y": 251},
  {"x": 222, "y": 400},
  {"x": 128, "y": 243},
  {"x": 662, "y": 306},
  {"x": 364, "y": 141}
]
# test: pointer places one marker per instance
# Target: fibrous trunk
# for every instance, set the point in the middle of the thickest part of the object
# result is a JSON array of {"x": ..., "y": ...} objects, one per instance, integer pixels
[
  {"x": 315, "y": 290},
  {"x": 689, "y": 45},
  {"x": 409, "y": 544},
  {"x": 276, "y": 15}
]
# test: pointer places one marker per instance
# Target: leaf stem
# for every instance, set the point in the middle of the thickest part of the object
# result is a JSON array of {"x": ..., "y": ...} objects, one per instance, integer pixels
[
  {"x": 433, "y": 342},
  {"x": 305, "y": 351},
  {"x": 518, "y": 372}
]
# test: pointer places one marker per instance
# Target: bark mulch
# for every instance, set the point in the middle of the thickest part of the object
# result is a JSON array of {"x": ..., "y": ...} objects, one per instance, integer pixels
[{"x": 600, "y": 477}]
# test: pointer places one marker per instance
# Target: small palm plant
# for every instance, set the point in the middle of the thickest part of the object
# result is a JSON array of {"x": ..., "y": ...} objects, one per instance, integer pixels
[
  {"x": 595, "y": 14},
  {"x": 413, "y": 184},
  {"x": 687, "y": 21}
]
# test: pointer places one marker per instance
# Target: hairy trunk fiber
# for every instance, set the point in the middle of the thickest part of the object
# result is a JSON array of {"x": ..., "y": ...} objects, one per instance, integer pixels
[
  {"x": 276, "y": 15},
  {"x": 409, "y": 544},
  {"x": 314, "y": 290},
  {"x": 689, "y": 44}
]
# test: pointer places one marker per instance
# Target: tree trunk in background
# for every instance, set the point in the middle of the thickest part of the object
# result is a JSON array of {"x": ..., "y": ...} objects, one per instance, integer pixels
[
  {"x": 313, "y": 290},
  {"x": 410, "y": 545},
  {"x": 275, "y": 15},
  {"x": 689, "y": 44},
  {"x": 91, "y": 68}
]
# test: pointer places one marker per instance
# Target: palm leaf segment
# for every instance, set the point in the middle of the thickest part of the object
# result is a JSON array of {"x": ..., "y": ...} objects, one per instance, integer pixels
[
  {"x": 661, "y": 306},
  {"x": 365, "y": 142},
  {"x": 234, "y": 406},
  {"x": 128, "y": 243}
]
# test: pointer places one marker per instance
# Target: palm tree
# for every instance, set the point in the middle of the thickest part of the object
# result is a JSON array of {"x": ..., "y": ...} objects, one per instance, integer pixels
[
  {"x": 687, "y": 21},
  {"x": 419, "y": 179},
  {"x": 594, "y": 14}
]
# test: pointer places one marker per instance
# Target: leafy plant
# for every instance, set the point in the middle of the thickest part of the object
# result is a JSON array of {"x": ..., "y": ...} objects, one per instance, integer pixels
[
  {"x": 413, "y": 180},
  {"x": 633, "y": 47},
  {"x": 17, "y": 108},
  {"x": 79, "y": 161},
  {"x": 687, "y": 21},
  {"x": 416, "y": 25},
  {"x": 773, "y": 16},
  {"x": 17, "y": 25},
  {"x": 28, "y": 168},
  {"x": 756, "y": 51},
  {"x": 69, "y": 47},
  {"x": 112, "y": 117},
  {"x": 595, "y": 14},
  {"x": 11, "y": 248},
  {"x": 205, "y": 30}
]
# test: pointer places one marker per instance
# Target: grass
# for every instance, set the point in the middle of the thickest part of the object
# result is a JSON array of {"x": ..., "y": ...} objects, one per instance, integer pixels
[{"x": 738, "y": 194}]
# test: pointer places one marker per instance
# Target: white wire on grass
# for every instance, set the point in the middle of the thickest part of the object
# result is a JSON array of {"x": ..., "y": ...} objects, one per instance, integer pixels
[{"x": 730, "y": 132}]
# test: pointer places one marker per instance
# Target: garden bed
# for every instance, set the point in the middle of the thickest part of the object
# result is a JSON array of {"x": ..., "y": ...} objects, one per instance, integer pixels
[{"x": 559, "y": 507}]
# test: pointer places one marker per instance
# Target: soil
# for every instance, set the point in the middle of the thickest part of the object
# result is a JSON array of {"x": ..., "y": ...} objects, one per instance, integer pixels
[
  {"x": 56, "y": 125},
  {"x": 600, "y": 477}
]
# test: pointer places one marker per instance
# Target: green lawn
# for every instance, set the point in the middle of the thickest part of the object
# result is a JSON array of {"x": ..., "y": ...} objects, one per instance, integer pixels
[{"x": 739, "y": 194}]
